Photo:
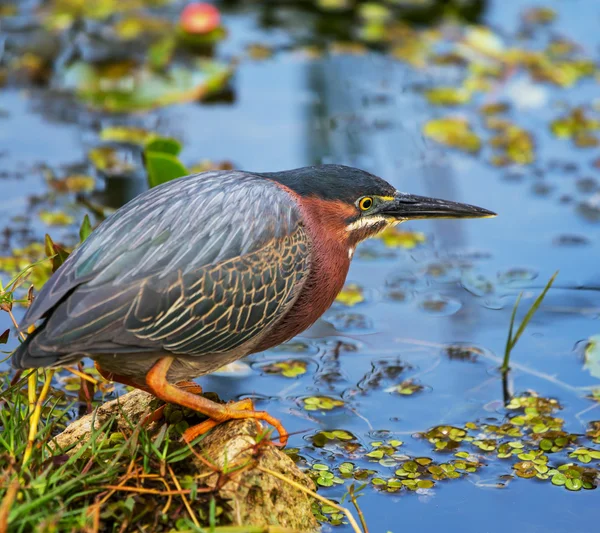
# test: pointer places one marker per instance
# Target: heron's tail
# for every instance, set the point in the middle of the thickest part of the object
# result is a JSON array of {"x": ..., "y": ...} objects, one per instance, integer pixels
[{"x": 31, "y": 355}]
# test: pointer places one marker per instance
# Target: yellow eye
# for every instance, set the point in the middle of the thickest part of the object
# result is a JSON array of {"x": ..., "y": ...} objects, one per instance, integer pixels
[{"x": 365, "y": 203}]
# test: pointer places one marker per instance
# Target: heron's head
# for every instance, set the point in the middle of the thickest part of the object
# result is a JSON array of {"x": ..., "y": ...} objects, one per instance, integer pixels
[{"x": 359, "y": 205}]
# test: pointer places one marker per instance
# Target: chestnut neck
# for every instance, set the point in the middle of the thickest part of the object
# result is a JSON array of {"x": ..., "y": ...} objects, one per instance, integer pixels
[{"x": 330, "y": 261}]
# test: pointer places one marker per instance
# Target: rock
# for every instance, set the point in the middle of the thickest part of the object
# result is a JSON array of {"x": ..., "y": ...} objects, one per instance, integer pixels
[{"x": 255, "y": 497}]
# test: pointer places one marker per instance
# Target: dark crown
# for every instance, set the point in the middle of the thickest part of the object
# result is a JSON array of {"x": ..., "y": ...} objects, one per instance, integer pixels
[{"x": 332, "y": 182}]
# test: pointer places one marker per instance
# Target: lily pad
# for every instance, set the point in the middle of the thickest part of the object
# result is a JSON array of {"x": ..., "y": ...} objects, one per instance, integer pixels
[
  {"x": 56, "y": 218},
  {"x": 127, "y": 135},
  {"x": 350, "y": 295},
  {"x": 406, "y": 388},
  {"x": 323, "y": 403},
  {"x": 291, "y": 368},
  {"x": 448, "y": 96},
  {"x": 396, "y": 238},
  {"x": 126, "y": 88},
  {"x": 592, "y": 356},
  {"x": 578, "y": 126},
  {"x": 514, "y": 144},
  {"x": 109, "y": 160},
  {"x": 76, "y": 183},
  {"x": 454, "y": 132}
]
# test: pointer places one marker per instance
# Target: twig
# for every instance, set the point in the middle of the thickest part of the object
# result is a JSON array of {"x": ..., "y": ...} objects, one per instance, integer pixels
[
  {"x": 167, "y": 505},
  {"x": 142, "y": 490},
  {"x": 94, "y": 512},
  {"x": 7, "y": 502},
  {"x": 14, "y": 321},
  {"x": 354, "y": 500},
  {"x": 312, "y": 493},
  {"x": 35, "y": 417},
  {"x": 185, "y": 500},
  {"x": 32, "y": 376},
  {"x": 31, "y": 386},
  {"x": 253, "y": 529},
  {"x": 82, "y": 375}
]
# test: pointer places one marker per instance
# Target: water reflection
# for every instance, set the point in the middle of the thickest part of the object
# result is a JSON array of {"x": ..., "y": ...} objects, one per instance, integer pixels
[{"x": 437, "y": 315}]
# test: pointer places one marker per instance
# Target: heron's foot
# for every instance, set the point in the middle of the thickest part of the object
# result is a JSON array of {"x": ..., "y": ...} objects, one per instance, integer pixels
[
  {"x": 158, "y": 414},
  {"x": 204, "y": 427},
  {"x": 217, "y": 413}
]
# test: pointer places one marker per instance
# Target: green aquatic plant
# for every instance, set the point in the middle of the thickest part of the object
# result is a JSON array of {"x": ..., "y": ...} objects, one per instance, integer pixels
[{"x": 512, "y": 339}]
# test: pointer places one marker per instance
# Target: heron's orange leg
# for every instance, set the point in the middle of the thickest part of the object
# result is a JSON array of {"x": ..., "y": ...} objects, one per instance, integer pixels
[
  {"x": 188, "y": 386},
  {"x": 157, "y": 383},
  {"x": 157, "y": 414}
]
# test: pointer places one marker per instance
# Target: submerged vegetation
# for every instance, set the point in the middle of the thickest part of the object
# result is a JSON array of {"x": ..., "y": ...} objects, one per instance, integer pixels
[{"x": 416, "y": 415}]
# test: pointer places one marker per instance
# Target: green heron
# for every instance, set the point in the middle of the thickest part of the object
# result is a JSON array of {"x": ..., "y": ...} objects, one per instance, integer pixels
[{"x": 201, "y": 271}]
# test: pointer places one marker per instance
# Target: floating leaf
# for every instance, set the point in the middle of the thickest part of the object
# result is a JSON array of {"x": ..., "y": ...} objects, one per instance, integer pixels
[
  {"x": 577, "y": 126},
  {"x": 395, "y": 238},
  {"x": 593, "y": 431},
  {"x": 324, "y": 403},
  {"x": 592, "y": 356},
  {"x": 127, "y": 88},
  {"x": 494, "y": 109},
  {"x": 406, "y": 388},
  {"x": 126, "y": 134},
  {"x": 484, "y": 41},
  {"x": 346, "y": 468},
  {"x": 108, "y": 160},
  {"x": 454, "y": 132},
  {"x": 573, "y": 477},
  {"x": 259, "y": 51},
  {"x": 514, "y": 143},
  {"x": 64, "y": 12},
  {"x": 290, "y": 369},
  {"x": 56, "y": 218},
  {"x": 539, "y": 15},
  {"x": 77, "y": 183},
  {"x": 446, "y": 437},
  {"x": 129, "y": 28},
  {"x": 350, "y": 295},
  {"x": 448, "y": 96},
  {"x": 161, "y": 53}
]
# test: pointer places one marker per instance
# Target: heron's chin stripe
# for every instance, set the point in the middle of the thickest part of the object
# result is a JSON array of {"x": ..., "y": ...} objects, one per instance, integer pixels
[{"x": 367, "y": 222}]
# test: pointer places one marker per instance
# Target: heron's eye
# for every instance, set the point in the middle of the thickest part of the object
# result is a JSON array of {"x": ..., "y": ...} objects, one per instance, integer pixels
[{"x": 365, "y": 203}]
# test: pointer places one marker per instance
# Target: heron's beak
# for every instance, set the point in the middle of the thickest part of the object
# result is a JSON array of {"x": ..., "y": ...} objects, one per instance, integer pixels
[{"x": 409, "y": 206}]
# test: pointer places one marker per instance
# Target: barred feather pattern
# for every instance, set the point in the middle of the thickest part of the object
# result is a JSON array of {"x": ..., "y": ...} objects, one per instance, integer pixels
[{"x": 200, "y": 265}]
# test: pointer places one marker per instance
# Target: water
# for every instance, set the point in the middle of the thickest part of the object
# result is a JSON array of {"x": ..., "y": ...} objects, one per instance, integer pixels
[{"x": 291, "y": 111}]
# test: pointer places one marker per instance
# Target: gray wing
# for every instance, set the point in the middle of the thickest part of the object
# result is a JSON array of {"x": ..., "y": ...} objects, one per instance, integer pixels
[{"x": 199, "y": 265}]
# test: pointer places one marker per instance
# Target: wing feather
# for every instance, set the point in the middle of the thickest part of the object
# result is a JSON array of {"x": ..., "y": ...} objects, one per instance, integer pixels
[{"x": 200, "y": 265}]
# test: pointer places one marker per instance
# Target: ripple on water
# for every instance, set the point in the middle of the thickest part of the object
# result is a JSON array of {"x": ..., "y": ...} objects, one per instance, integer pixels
[
  {"x": 439, "y": 304},
  {"x": 517, "y": 275},
  {"x": 574, "y": 240}
]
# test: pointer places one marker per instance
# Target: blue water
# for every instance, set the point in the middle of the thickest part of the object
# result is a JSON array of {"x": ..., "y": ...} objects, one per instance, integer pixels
[{"x": 290, "y": 111}]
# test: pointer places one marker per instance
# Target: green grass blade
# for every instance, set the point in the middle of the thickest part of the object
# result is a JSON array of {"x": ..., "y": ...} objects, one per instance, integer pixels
[
  {"x": 508, "y": 348},
  {"x": 532, "y": 310}
]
